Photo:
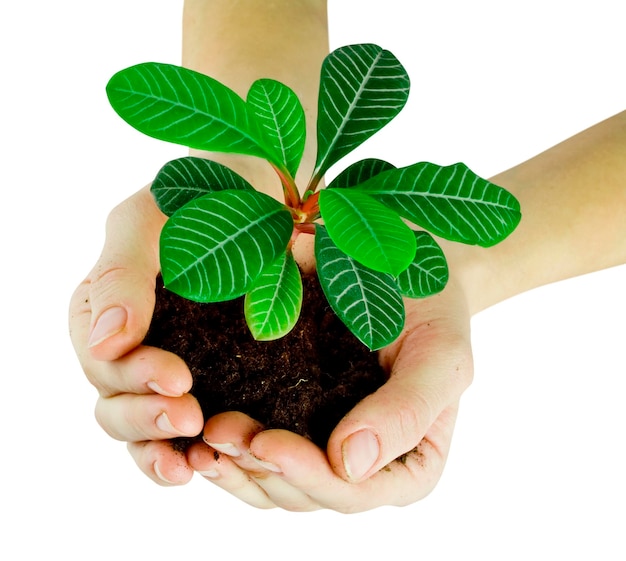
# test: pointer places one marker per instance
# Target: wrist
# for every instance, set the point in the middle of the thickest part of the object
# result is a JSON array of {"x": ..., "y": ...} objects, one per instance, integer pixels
[
  {"x": 238, "y": 42},
  {"x": 470, "y": 267}
]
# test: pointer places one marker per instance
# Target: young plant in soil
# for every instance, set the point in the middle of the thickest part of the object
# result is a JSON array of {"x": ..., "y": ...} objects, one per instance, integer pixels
[{"x": 372, "y": 224}]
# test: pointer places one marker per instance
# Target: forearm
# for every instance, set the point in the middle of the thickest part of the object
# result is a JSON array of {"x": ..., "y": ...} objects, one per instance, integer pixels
[
  {"x": 240, "y": 41},
  {"x": 573, "y": 200}
]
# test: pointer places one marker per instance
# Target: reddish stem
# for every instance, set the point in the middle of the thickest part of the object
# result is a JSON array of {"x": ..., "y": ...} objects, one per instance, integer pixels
[
  {"x": 310, "y": 207},
  {"x": 290, "y": 190},
  {"x": 302, "y": 228},
  {"x": 305, "y": 228}
]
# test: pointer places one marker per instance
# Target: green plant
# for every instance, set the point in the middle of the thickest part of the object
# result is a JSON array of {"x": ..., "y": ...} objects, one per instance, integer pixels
[{"x": 223, "y": 239}]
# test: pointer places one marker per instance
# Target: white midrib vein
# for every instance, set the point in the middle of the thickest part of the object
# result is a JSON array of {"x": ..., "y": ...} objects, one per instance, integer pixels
[
  {"x": 190, "y": 108},
  {"x": 222, "y": 244},
  {"x": 351, "y": 108}
]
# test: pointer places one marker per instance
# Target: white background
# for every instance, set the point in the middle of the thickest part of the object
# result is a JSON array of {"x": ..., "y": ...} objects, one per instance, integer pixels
[{"x": 537, "y": 466}]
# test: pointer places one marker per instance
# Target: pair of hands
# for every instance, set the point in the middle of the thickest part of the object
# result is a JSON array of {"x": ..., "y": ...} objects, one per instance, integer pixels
[{"x": 144, "y": 400}]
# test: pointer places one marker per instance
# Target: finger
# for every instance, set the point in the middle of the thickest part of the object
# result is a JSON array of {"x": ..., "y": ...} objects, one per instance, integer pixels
[
  {"x": 231, "y": 434},
  {"x": 111, "y": 310},
  {"x": 285, "y": 495},
  {"x": 222, "y": 471},
  {"x": 431, "y": 367},
  {"x": 143, "y": 370},
  {"x": 161, "y": 463},
  {"x": 136, "y": 418},
  {"x": 305, "y": 467}
]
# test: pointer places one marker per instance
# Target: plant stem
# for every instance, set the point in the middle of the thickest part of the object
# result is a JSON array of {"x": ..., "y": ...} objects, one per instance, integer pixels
[
  {"x": 310, "y": 207},
  {"x": 305, "y": 228},
  {"x": 301, "y": 228},
  {"x": 315, "y": 180},
  {"x": 290, "y": 190}
]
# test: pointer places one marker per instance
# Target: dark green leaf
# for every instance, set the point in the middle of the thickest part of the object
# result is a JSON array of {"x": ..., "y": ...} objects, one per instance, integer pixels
[
  {"x": 428, "y": 273},
  {"x": 179, "y": 105},
  {"x": 359, "y": 172},
  {"x": 452, "y": 202},
  {"x": 185, "y": 179},
  {"x": 272, "y": 306},
  {"x": 367, "y": 230},
  {"x": 362, "y": 88},
  {"x": 215, "y": 247},
  {"x": 282, "y": 119},
  {"x": 367, "y": 301}
]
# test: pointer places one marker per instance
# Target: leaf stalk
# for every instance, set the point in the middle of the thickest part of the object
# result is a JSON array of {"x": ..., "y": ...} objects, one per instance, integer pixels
[{"x": 290, "y": 189}]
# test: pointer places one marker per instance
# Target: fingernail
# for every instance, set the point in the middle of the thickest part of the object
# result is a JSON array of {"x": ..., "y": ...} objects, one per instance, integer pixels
[
  {"x": 360, "y": 452},
  {"x": 158, "y": 389},
  {"x": 226, "y": 448},
  {"x": 109, "y": 323},
  {"x": 267, "y": 465},
  {"x": 155, "y": 466},
  {"x": 163, "y": 423},
  {"x": 210, "y": 473}
]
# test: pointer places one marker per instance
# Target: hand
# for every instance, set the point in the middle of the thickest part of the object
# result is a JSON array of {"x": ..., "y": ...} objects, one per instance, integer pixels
[
  {"x": 143, "y": 395},
  {"x": 413, "y": 415}
]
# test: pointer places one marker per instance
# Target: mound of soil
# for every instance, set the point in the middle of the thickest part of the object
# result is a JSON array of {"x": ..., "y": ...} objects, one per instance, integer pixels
[{"x": 305, "y": 382}]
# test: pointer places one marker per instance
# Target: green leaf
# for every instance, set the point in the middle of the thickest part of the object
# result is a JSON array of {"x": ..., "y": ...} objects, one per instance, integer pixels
[
  {"x": 368, "y": 302},
  {"x": 367, "y": 230},
  {"x": 452, "y": 202},
  {"x": 179, "y": 105},
  {"x": 272, "y": 307},
  {"x": 362, "y": 88},
  {"x": 282, "y": 118},
  {"x": 359, "y": 172},
  {"x": 182, "y": 180},
  {"x": 215, "y": 247},
  {"x": 428, "y": 273}
]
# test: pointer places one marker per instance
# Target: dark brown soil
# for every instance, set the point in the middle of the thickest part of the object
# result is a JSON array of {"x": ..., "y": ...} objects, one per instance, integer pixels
[{"x": 305, "y": 382}]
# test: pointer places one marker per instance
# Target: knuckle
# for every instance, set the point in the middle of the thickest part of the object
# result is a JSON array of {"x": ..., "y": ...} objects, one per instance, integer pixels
[
  {"x": 102, "y": 418},
  {"x": 413, "y": 414},
  {"x": 93, "y": 377},
  {"x": 106, "y": 277},
  {"x": 137, "y": 418}
]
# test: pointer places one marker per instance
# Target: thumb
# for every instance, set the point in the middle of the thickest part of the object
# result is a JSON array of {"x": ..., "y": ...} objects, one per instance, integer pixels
[
  {"x": 111, "y": 310},
  {"x": 428, "y": 376}
]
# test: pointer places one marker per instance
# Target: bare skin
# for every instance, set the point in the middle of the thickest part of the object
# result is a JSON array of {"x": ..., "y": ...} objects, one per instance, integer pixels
[{"x": 573, "y": 200}]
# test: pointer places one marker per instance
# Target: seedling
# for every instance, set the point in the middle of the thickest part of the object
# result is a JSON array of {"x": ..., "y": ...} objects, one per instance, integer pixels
[{"x": 223, "y": 239}]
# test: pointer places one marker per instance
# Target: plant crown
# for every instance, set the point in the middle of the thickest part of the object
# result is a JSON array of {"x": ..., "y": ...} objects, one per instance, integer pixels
[{"x": 223, "y": 239}]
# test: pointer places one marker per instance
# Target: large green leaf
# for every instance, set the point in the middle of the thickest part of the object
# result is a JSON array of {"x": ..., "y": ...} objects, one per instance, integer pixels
[
  {"x": 367, "y": 230},
  {"x": 179, "y": 105},
  {"x": 184, "y": 179},
  {"x": 272, "y": 306},
  {"x": 215, "y": 247},
  {"x": 362, "y": 88},
  {"x": 428, "y": 273},
  {"x": 282, "y": 117},
  {"x": 358, "y": 172},
  {"x": 452, "y": 202},
  {"x": 368, "y": 302}
]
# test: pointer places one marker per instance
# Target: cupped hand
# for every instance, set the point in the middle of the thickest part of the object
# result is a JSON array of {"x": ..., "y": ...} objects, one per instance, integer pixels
[
  {"x": 143, "y": 391},
  {"x": 389, "y": 450},
  {"x": 144, "y": 399}
]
